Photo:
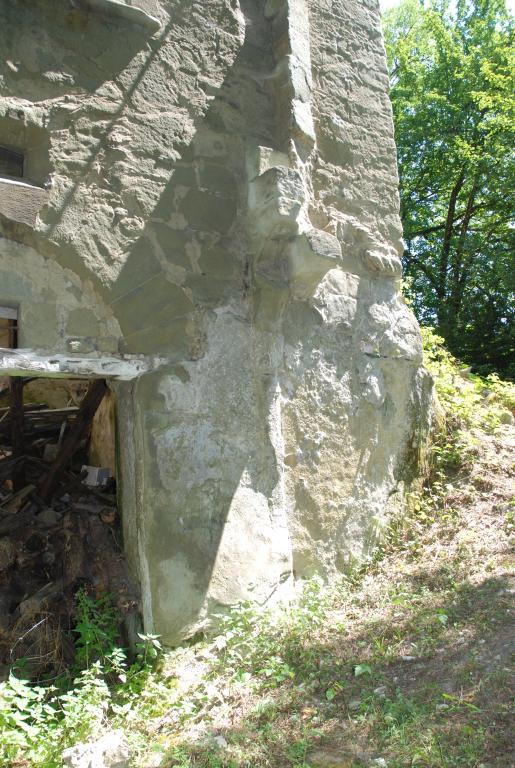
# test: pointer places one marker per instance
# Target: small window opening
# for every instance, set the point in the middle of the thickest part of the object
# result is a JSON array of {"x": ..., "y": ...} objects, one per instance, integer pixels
[
  {"x": 8, "y": 328},
  {"x": 11, "y": 162}
]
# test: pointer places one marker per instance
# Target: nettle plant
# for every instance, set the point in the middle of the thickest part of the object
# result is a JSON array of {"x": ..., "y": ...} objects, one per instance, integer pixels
[
  {"x": 468, "y": 406},
  {"x": 267, "y": 647},
  {"x": 38, "y": 721},
  {"x": 96, "y": 629}
]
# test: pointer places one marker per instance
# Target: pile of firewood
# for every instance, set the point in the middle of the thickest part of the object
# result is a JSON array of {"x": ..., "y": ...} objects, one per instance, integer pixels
[{"x": 57, "y": 534}]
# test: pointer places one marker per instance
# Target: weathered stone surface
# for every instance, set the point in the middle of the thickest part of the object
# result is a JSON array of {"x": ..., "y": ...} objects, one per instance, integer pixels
[
  {"x": 110, "y": 751},
  {"x": 20, "y": 201},
  {"x": 120, "y": 9},
  {"x": 221, "y": 227}
]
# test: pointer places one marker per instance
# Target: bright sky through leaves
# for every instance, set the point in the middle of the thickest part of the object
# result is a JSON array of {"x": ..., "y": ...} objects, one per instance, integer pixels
[{"x": 385, "y": 4}]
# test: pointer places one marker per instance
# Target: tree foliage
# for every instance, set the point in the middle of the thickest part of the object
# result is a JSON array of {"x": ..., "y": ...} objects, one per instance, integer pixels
[{"x": 452, "y": 80}]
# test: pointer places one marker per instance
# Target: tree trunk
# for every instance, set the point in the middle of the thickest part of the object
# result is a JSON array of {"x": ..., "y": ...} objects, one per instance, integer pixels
[
  {"x": 441, "y": 291},
  {"x": 459, "y": 267}
]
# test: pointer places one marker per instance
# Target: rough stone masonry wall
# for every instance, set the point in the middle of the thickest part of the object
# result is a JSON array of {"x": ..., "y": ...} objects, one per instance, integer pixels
[{"x": 214, "y": 197}]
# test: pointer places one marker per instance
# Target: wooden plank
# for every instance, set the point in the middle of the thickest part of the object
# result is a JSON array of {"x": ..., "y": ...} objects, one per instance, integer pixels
[
  {"x": 37, "y": 421},
  {"x": 72, "y": 441},
  {"x": 26, "y": 381},
  {"x": 18, "y": 499},
  {"x": 17, "y": 436}
]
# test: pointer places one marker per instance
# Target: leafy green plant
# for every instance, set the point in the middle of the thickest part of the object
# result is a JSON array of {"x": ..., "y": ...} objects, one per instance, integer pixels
[
  {"x": 362, "y": 669},
  {"x": 148, "y": 649},
  {"x": 38, "y": 721},
  {"x": 83, "y": 708},
  {"x": 451, "y": 77},
  {"x": 24, "y": 714},
  {"x": 97, "y": 631},
  {"x": 468, "y": 406},
  {"x": 468, "y": 400}
]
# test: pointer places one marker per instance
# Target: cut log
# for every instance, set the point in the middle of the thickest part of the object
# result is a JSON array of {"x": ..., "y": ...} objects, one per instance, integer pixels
[{"x": 79, "y": 430}]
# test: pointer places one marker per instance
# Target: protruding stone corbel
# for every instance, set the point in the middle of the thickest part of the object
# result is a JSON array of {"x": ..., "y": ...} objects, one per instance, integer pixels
[
  {"x": 120, "y": 10},
  {"x": 292, "y": 257},
  {"x": 382, "y": 260},
  {"x": 276, "y": 199},
  {"x": 377, "y": 256},
  {"x": 310, "y": 256},
  {"x": 21, "y": 200}
]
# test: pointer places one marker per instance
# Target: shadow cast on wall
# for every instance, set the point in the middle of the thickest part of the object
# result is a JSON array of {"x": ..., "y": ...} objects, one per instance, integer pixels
[
  {"x": 152, "y": 157},
  {"x": 201, "y": 429},
  {"x": 53, "y": 50},
  {"x": 185, "y": 288}
]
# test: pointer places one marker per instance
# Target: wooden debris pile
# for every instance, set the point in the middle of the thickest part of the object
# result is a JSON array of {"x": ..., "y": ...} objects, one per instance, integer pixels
[{"x": 57, "y": 534}]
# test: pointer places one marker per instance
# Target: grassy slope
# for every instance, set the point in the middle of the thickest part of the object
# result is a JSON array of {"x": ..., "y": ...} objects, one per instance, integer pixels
[
  {"x": 408, "y": 661},
  {"x": 405, "y": 663}
]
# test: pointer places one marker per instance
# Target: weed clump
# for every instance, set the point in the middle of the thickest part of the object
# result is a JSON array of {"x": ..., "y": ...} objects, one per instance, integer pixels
[
  {"x": 468, "y": 407},
  {"x": 38, "y": 721}
]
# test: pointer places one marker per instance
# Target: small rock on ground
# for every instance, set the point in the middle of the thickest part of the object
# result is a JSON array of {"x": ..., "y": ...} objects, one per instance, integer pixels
[{"x": 111, "y": 751}]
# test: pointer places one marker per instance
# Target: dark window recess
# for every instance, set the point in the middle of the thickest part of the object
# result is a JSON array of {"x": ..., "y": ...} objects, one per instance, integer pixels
[
  {"x": 11, "y": 162},
  {"x": 8, "y": 328}
]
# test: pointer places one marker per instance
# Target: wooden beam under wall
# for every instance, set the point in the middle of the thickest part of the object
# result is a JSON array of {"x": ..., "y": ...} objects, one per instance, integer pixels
[
  {"x": 17, "y": 437},
  {"x": 72, "y": 441}
]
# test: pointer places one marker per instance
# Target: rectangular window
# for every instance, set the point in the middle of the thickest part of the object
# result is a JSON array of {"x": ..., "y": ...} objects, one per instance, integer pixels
[
  {"x": 8, "y": 328},
  {"x": 11, "y": 162}
]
